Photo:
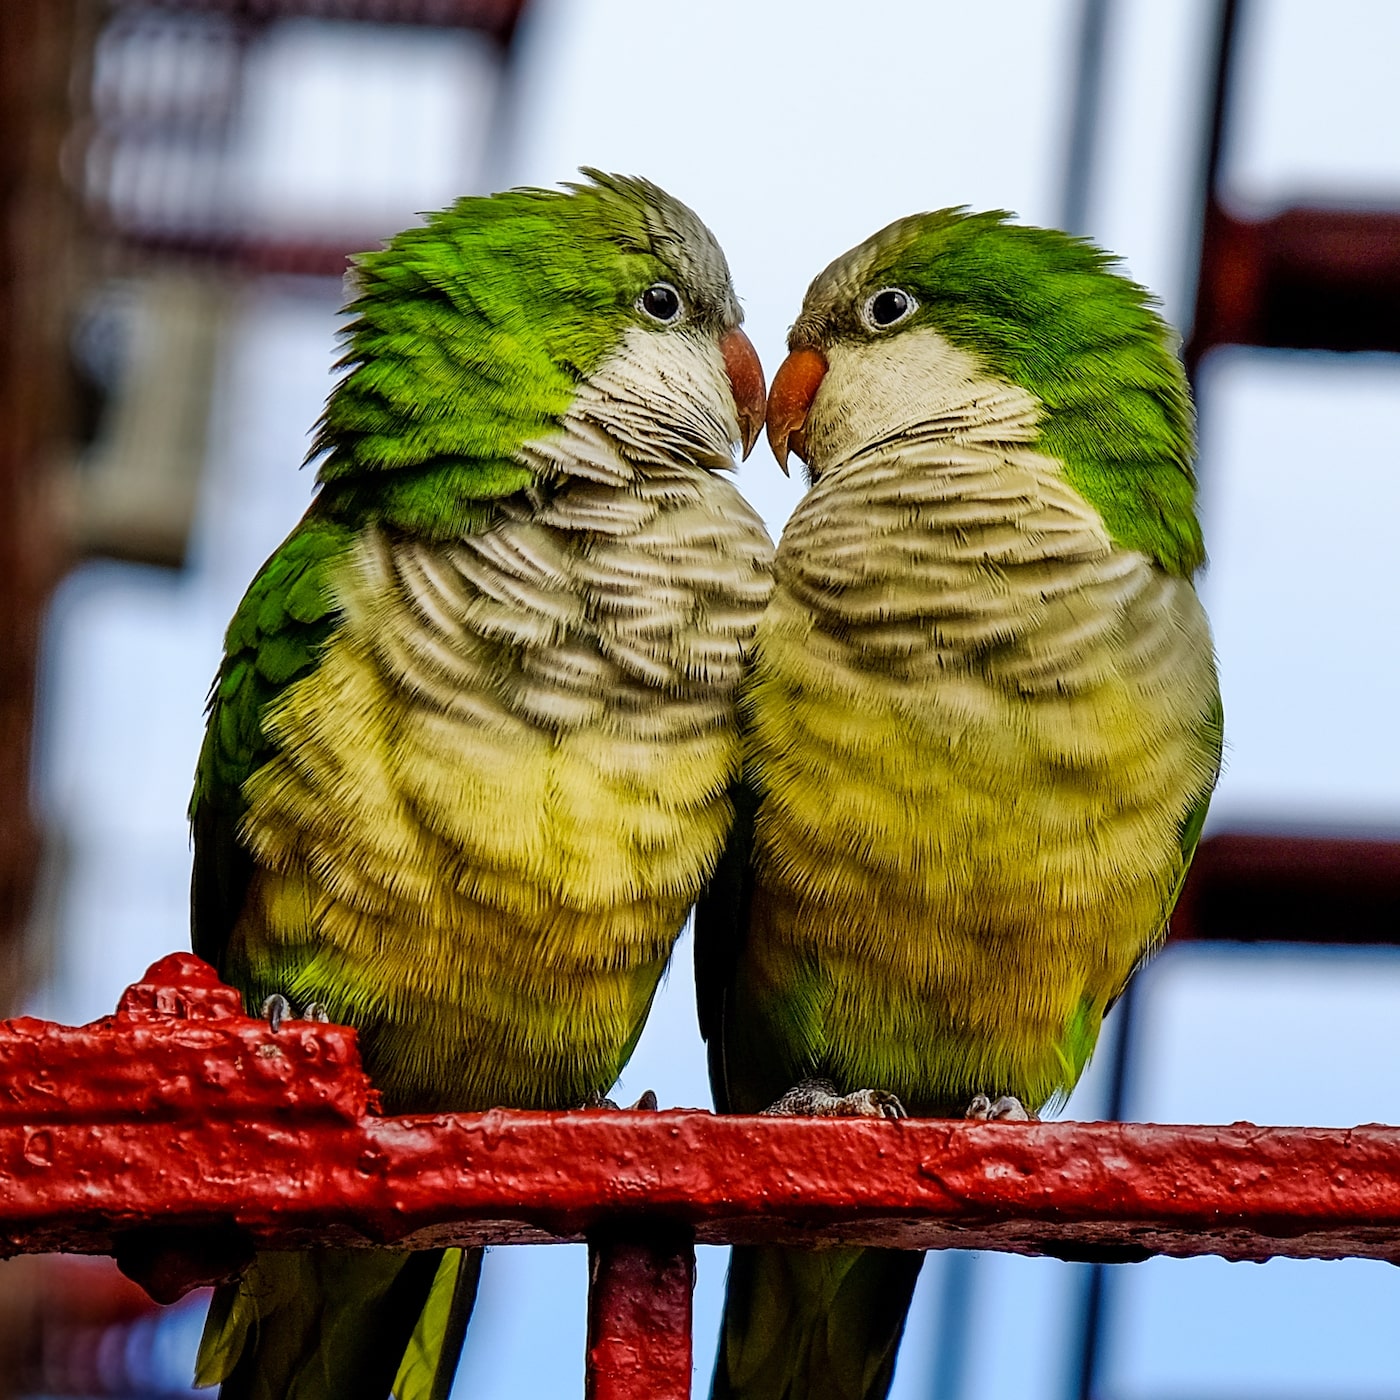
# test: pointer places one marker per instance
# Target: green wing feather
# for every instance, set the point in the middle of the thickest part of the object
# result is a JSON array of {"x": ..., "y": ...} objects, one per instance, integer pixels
[
  {"x": 813, "y": 1324},
  {"x": 430, "y": 1363},
  {"x": 327, "y": 1324},
  {"x": 1214, "y": 737},
  {"x": 1193, "y": 824},
  {"x": 721, "y": 927},
  {"x": 1083, "y": 1033},
  {"x": 273, "y": 640}
]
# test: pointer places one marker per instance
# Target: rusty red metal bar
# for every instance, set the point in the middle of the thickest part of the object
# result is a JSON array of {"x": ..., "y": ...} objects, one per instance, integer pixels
[
  {"x": 1303, "y": 278},
  {"x": 639, "y": 1316},
  {"x": 235, "y": 252},
  {"x": 241, "y": 254},
  {"x": 497, "y": 18},
  {"x": 179, "y": 1114},
  {"x": 1247, "y": 887}
]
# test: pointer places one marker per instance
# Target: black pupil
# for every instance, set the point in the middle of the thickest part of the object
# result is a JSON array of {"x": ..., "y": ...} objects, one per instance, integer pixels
[
  {"x": 661, "y": 302},
  {"x": 889, "y": 306}
]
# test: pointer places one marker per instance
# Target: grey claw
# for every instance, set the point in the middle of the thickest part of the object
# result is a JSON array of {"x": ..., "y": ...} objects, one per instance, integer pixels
[
  {"x": 819, "y": 1098},
  {"x": 647, "y": 1101},
  {"x": 275, "y": 1010},
  {"x": 1006, "y": 1109},
  {"x": 876, "y": 1103}
]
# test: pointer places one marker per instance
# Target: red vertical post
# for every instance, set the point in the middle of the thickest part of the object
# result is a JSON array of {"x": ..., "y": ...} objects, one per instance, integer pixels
[{"x": 639, "y": 1314}]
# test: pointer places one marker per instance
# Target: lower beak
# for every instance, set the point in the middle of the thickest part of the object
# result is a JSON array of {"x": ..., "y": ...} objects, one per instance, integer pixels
[
  {"x": 794, "y": 387},
  {"x": 746, "y": 381}
]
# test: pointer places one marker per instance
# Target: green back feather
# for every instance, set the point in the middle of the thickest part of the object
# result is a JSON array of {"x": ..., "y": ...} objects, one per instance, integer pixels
[{"x": 1046, "y": 311}]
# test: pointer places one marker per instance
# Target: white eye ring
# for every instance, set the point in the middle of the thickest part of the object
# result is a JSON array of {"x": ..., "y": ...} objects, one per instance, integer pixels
[
  {"x": 661, "y": 302},
  {"x": 899, "y": 306}
]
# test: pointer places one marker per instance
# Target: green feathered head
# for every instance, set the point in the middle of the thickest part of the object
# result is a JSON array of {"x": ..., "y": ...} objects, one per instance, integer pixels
[
  {"x": 473, "y": 333},
  {"x": 1049, "y": 313}
]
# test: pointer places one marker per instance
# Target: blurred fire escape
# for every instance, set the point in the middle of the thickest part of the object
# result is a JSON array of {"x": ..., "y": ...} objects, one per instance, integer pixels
[
  {"x": 122, "y": 122},
  {"x": 1302, "y": 277},
  {"x": 157, "y": 163}
]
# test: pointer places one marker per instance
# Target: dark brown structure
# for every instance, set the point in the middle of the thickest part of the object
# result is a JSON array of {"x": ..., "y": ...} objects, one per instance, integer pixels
[{"x": 37, "y": 47}]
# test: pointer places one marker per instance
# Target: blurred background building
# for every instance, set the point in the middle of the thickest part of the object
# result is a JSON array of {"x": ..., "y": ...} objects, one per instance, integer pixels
[{"x": 181, "y": 184}]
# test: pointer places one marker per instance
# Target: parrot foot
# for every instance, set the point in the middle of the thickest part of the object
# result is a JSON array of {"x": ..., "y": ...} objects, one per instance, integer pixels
[
  {"x": 818, "y": 1098},
  {"x": 646, "y": 1102},
  {"x": 277, "y": 1009},
  {"x": 1006, "y": 1109}
]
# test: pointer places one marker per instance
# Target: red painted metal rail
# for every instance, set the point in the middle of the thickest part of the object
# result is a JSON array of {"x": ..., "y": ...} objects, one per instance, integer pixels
[
  {"x": 495, "y": 17},
  {"x": 180, "y": 1134}
]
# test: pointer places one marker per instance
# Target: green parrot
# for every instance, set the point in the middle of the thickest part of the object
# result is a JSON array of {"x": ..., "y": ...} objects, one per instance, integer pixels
[
  {"x": 982, "y": 728},
  {"x": 470, "y": 751}
]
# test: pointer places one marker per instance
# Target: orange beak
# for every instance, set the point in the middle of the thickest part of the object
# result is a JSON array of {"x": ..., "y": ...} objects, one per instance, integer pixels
[
  {"x": 794, "y": 387},
  {"x": 746, "y": 380}
]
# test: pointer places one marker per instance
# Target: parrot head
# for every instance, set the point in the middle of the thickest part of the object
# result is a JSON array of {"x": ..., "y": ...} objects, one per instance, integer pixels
[
  {"x": 474, "y": 335},
  {"x": 938, "y": 314}
]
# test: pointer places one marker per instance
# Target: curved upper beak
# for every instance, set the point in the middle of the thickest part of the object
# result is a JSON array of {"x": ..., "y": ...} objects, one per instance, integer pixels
[
  {"x": 746, "y": 380},
  {"x": 794, "y": 387}
]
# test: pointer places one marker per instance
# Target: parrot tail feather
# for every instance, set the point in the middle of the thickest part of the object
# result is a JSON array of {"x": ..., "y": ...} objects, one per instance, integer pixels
[
  {"x": 340, "y": 1324},
  {"x": 430, "y": 1363},
  {"x": 813, "y": 1324}
]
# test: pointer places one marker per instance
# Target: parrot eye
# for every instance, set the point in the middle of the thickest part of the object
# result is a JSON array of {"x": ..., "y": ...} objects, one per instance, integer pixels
[
  {"x": 661, "y": 301},
  {"x": 888, "y": 307}
]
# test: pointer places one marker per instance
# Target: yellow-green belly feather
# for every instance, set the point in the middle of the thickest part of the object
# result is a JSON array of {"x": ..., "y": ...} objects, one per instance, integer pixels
[
  {"x": 979, "y": 730},
  {"x": 491, "y": 808}
]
